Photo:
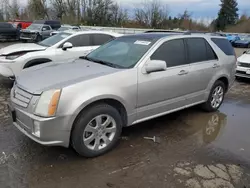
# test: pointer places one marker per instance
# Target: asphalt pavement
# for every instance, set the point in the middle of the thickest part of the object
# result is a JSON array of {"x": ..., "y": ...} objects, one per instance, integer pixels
[{"x": 194, "y": 149}]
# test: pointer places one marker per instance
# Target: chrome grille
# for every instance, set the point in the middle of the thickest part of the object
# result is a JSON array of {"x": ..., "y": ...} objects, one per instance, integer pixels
[{"x": 21, "y": 97}]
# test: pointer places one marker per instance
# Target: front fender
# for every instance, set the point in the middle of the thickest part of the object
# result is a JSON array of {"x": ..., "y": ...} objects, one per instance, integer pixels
[
  {"x": 6, "y": 71},
  {"x": 74, "y": 102}
]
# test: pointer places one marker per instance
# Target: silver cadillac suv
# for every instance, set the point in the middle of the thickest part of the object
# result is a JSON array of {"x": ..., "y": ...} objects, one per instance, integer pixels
[{"x": 86, "y": 103}]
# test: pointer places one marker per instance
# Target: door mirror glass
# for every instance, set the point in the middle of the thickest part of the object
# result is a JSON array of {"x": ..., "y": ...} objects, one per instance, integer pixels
[
  {"x": 155, "y": 66},
  {"x": 67, "y": 45}
]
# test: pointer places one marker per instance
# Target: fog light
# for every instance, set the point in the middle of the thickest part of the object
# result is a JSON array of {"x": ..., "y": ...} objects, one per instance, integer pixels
[{"x": 36, "y": 128}]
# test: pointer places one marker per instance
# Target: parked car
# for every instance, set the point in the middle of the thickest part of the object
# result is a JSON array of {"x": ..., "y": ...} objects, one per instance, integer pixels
[
  {"x": 21, "y": 24},
  {"x": 243, "y": 65},
  {"x": 63, "y": 46},
  {"x": 65, "y": 28},
  {"x": 244, "y": 42},
  {"x": 36, "y": 33},
  {"x": 232, "y": 38},
  {"x": 54, "y": 24},
  {"x": 128, "y": 80},
  {"x": 8, "y": 31}
]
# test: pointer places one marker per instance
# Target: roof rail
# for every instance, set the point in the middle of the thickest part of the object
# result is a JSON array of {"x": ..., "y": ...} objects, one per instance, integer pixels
[{"x": 201, "y": 32}]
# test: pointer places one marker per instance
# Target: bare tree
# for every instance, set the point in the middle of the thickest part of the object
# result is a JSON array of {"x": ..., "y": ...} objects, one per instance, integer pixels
[
  {"x": 14, "y": 9},
  {"x": 151, "y": 13},
  {"x": 38, "y": 9}
]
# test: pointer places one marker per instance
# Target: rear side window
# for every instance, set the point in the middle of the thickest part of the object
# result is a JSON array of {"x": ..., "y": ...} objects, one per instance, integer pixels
[
  {"x": 167, "y": 52},
  {"x": 100, "y": 39},
  {"x": 224, "y": 45},
  {"x": 196, "y": 50},
  {"x": 199, "y": 50}
]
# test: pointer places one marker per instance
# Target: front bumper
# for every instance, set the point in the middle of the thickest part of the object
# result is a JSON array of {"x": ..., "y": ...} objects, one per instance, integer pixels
[
  {"x": 242, "y": 72},
  {"x": 28, "y": 36},
  {"x": 50, "y": 131}
]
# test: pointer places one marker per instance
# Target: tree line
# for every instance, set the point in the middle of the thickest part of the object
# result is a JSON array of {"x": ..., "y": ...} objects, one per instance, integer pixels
[{"x": 149, "y": 14}]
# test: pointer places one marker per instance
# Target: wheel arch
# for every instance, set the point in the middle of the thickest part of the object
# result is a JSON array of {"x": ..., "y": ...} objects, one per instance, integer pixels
[
  {"x": 110, "y": 101},
  {"x": 225, "y": 80}
]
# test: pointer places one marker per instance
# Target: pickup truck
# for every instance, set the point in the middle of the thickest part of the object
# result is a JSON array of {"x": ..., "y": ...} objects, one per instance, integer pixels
[
  {"x": 8, "y": 31},
  {"x": 36, "y": 32}
]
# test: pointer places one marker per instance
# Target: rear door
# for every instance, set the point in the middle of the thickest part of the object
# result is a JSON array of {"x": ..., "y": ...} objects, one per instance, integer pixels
[
  {"x": 203, "y": 65},
  {"x": 164, "y": 91}
]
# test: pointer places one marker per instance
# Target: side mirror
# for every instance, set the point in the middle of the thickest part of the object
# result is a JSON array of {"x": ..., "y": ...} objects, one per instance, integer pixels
[
  {"x": 43, "y": 29},
  {"x": 67, "y": 45},
  {"x": 244, "y": 52},
  {"x": 155, "y": 66}
]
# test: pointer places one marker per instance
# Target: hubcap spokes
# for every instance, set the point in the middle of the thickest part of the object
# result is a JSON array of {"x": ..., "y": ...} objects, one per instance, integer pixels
[
  {"x": 99, "y": 132},
  {"x": 217, "y": 97}
]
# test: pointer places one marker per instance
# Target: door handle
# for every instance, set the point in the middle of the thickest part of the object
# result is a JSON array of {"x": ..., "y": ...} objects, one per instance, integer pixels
[
  {"x": 216, "y": 65},
  {"x": 183, "y": 72}
]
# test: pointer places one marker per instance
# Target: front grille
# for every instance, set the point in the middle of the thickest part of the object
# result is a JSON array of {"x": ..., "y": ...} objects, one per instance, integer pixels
[
  {"x": 21, "y": 97},
  {"x": 241, "y": 72},
  {"x": 244, "y": 65},
  {"x": 26, "y": 35}
]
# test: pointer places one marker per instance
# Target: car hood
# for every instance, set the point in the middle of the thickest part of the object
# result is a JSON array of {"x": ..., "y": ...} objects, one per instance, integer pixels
[
  {"x": 29, "y": 30},
  {"x": 28, "y": 47},
  {"x": 58, "y": 75},
  {"x": 245, "y": 58}
]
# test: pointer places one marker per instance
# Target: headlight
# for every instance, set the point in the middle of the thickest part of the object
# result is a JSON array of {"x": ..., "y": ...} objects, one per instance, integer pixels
[
  {"x": 238, "y": 63},
  {"x": 48, "y": 102},
  {"x": 14, "y": 56}
]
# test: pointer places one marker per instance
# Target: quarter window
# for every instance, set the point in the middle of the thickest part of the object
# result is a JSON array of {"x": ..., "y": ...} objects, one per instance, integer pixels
[
  {"x": 224, "y": 45},
  {"x": 172, "y": 52}
]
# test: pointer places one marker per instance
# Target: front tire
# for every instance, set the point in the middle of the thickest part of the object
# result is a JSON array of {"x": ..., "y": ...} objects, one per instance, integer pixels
[
  {"x": 96, "y": 131},
  {"x": 216, "y": 97}
]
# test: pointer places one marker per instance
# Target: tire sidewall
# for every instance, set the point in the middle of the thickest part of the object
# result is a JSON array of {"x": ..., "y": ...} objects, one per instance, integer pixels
[
  {"x": 81, "y": 123},
  {"x": 217, "y": 83}
]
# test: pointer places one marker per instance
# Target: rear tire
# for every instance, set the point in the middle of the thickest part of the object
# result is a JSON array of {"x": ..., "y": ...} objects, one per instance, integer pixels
[
  {"x": 96, "y": 130},
  {"x": 216, "y": 97}
]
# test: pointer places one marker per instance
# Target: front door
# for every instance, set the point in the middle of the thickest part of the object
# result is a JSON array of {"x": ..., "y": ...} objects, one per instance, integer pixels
[
  {"x": 164, "y": 91},
  {"x": 81, "y": 47}
]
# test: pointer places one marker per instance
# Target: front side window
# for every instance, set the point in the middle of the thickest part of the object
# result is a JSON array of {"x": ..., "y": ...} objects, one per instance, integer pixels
[
  {"x": 46, "y": 28},
  {"x": 197, "y": 51},
  {"x": 172, "y": 52},
  {"x": 123, "y": 52},
  {"x": 80, "y": 40},
  {"x": 54, "y": 39}
]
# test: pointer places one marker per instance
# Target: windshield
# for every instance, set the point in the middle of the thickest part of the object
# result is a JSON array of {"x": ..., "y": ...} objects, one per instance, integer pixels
[
  {"x": 64, "y": 28},
  {"x": 122, "y": 52},
  {"x": 54, "y": 39},
  {"x": 35, "y": 27}
]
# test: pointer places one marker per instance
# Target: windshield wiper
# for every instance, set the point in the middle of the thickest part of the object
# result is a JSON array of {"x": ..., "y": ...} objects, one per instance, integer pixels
[{"x": 101, "y": 62}]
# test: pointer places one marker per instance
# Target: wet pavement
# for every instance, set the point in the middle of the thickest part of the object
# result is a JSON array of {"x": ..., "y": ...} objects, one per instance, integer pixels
[{"x": 194, "y": 149}]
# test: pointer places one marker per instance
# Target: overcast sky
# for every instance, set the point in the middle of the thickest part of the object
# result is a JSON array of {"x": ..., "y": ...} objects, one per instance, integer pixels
[{"x": 199, "y": 8}]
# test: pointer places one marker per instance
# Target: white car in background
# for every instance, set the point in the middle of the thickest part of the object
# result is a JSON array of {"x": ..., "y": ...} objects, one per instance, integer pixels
[
  {"x": 243, "y": 65},
  {"x": 65, "y": 28},
  {"x": 63, "y": 46}
]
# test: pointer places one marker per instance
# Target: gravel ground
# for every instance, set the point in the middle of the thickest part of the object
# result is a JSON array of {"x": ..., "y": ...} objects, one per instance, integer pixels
[{"x": 196, "y": 149}]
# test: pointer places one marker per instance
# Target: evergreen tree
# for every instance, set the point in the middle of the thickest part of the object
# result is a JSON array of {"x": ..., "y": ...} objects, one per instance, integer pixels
[{"x": 228, "y": 14}]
